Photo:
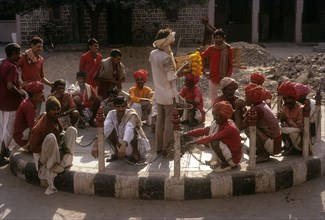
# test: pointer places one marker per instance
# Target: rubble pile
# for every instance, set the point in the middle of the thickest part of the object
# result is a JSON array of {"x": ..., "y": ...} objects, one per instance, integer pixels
[
  {"x": 254, "y": 55},
  {"x": 309, "y": 70}
]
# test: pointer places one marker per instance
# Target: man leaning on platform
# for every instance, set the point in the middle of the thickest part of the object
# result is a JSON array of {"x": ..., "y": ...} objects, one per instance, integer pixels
[{"x": 52, "y": 147}]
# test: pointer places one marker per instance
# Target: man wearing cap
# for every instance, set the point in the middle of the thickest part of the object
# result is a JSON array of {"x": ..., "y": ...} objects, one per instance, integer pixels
[
  {"x": 69, "y": 114},
  {"x": 222, "y": 136},
  {"x": 193, "y": 95},
  {"x": 141, "y": 95},
  {"x": 164, "y": 76},
  {"x": 26, "y": 113},
  {"x": 291, "y": 119},
  {"x": 221, "y": 61},
  {"x": 11, "y": 95},
  {"x": 51, "y": 146},
  {"x": 111, "y": 73},
  {"x": 86, "y": 100},
  {"x": 123, "y": 131},
  {"x": 268, "y": 133}
]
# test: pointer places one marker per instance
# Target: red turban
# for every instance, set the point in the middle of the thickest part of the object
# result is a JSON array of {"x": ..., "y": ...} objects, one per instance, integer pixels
[
  {"x": 141, "y": 73},
  {"x": 194, "y": 78},
  {"x": 302, "y": 89},
  {"x": 258, "y": 78},
  {"x": 34, "y": 87},
  {"x": 224, "y": 108},
  {"x": 257, "y": 93},
  {"x": 288, "y": 89}
]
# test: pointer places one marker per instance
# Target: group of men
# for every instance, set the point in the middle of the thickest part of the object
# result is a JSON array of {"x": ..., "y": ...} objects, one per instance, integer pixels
[{"x": 51, "y": 136}]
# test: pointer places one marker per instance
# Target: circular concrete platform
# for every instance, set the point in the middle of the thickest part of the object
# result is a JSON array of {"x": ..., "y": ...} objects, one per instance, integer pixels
[{"x": 155, "y": 180}]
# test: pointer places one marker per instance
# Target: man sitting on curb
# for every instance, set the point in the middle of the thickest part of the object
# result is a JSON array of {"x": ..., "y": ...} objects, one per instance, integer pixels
[
  {"x": 86, "y": 100},
  {"x": 141, "y": 95},
  {"x": 69, "y": 114},
  {"x": 51, "y": 146},
  {"x": 268, "y": 134},
  {"x": 222, "y": 136},
  {"x": 26, "y": 113},
  {"x": 291, "y": 119},
  {"x": 123, "y": 132}
]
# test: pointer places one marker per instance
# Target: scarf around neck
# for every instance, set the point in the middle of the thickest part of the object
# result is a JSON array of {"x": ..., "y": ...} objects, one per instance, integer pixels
[{"x": 223, "y": 59}]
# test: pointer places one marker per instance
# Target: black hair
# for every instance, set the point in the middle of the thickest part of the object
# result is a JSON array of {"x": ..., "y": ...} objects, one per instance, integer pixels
[
  {"x": 81, "y": 74},
  {"x": 113, "y": 91},
  {"x": 162, "y": 33},
  {"x": 12, "y": 48},
  {"x": 59, "y": 82},
  {"x": 92, "y": 41},
  {"x": 219, "y": 32},
  {"x": 36, "y": 40},
  {"x": 115, "y": 53},
  {"x": 119, "y": 100}
]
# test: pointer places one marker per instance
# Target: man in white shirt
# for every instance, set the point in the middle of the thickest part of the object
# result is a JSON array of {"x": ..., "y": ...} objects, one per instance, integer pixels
[{"x": 164, "y": 74}]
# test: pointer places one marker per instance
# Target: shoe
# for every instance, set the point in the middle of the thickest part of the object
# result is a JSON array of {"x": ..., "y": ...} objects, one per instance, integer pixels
[
  {"x": 111, "y": 158},
  {"x": 92, "y": 123},
  {"x": 57, "y": 168},
  {"x": 262, "y": 159},
  {"x": 3, "y": 162},
  {"x": 81, "y": 124},
  {"x": 222, "y": 168}
]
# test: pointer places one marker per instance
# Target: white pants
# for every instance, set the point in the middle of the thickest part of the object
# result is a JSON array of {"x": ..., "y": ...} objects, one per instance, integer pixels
[
  {"x": 50, "y": 155},
  {"x": 213, "y": 90},
  {"x": 138, "y": 109},
  {"x": 7, "y": 121}
]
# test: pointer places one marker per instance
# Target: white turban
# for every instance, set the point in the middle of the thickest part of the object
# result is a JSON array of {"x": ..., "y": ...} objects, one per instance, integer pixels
[
  {"x": 164, "y": 43},
  {"x": 226, "y": 81}
]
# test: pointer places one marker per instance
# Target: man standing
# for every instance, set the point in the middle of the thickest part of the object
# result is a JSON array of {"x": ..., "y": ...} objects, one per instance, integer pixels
[
  {"x": 164, "y": 74},
  {"x": 221, "y": 62},
  {"x": 51, "y": 146},
  {"x": 26, "y": 113},
  {"x": 11, "y": 95},
  {"x": 208, "y": 32},
  {"x": 31, "y": 63},
  {"x": 141, "y": 95},
  {"x": 90, "y": 62},
  {"x": 111, "y": 74},
  {"x": 69, "y": 114}
]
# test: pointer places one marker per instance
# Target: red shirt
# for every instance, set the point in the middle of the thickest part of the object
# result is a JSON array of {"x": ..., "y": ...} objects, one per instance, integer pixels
[
  {"x": 228, "y": 134},
  {"x": 91, "y": 66},
  {"x": 31, "y": 71},
  {"x": 194, "y": 94},
  {"x": 9, "y": 99},
  {"x": 43, "y": 126},
  {"x": 25, "y": 118},
  {"x": 87, "y": 97},
  {"x": 214, "y": 54}
]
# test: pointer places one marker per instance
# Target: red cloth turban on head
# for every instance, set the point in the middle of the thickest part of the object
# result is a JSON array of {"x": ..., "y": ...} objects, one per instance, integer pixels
[
  {"x": 288, "y": 89},
  {"x": 141, "y": 73},
  {"x": 224, "y": 108},
  {"x": 258, "y": 77},
  {"x": 257, "y": 93},
  {"x": 34, "y": 87},
  {"x": 302, "y": 89},
  {"x": 193, "y": 78}
]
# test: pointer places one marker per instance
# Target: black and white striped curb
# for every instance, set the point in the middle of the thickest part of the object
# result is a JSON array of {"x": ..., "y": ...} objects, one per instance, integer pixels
[{"x": 159, "y": 187}]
